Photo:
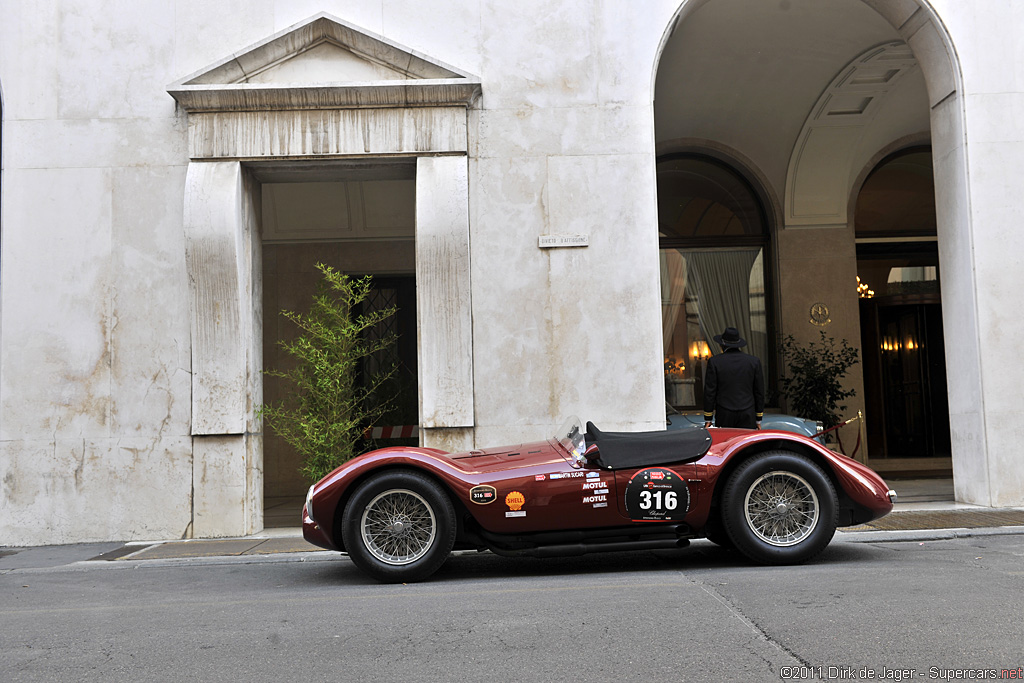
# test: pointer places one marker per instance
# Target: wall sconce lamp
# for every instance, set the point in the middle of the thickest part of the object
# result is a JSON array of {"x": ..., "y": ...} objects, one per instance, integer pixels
[
  {"x": 892, "y": 345},
  {"x": 699, "y": 350}
]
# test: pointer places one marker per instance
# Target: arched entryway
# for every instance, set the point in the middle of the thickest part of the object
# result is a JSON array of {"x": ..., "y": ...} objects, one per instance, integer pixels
[{"x": 810, "y": 94}]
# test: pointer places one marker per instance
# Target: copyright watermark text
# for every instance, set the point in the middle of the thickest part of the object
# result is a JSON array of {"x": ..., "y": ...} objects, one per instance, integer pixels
[{"x": 885, "y": 673}]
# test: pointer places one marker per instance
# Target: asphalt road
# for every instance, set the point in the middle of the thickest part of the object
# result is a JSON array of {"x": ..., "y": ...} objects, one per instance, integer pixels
[{"x": 921, "y": 610}]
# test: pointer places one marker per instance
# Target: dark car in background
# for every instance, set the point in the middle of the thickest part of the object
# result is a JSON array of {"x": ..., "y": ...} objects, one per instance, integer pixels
[{"x": 780, "y": 421}]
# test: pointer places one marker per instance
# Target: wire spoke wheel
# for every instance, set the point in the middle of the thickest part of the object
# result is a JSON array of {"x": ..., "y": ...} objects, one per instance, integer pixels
[
  {"x": 781, "y": 508},
  {"x": 398, "y": 526}
]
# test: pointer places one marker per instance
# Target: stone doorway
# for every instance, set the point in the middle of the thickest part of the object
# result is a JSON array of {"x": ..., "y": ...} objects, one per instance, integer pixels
[{"x": 361, "y": 99}]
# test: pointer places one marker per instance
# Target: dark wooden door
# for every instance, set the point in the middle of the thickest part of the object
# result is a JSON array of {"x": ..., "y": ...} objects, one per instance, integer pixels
[{"x": 905, "y": 377}]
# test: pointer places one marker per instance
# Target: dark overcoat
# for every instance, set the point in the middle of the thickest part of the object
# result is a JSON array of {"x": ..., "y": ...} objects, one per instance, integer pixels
[{"x": 734, "y": 383}]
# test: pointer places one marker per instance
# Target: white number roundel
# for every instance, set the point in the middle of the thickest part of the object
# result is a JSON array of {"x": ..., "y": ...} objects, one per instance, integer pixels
[{"x": 657, "y": 493}]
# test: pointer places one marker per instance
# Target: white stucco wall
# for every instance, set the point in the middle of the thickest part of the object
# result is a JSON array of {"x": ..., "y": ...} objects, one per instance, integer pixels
[
  {"x": 94, "y": 371},
  {"x": 96, "y": 433},
  {"x": 563, "y": 144},
  {"x": 96, "y": 424}
]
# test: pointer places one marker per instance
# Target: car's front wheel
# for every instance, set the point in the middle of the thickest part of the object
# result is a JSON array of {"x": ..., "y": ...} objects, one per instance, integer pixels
[
  {"x": 779, "y": 508},
  {"x": 399, "y": 526}
]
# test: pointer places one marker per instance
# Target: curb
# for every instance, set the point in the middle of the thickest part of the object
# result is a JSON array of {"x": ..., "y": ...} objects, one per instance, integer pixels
[{"x": 904, "y": 535}]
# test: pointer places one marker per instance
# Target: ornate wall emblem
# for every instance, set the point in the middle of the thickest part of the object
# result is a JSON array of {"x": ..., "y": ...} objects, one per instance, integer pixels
[{"x": 819, "y": 315}]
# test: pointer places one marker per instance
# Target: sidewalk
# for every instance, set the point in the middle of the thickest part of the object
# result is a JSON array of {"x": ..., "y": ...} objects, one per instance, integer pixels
[
  {"x": 928, "y": 504},
  {"x": 267, "y": 542},
  {"x": 925, "y": 510}
]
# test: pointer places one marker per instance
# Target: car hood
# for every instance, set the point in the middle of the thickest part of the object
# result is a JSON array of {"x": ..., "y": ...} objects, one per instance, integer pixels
[{"x": 508, "y": 457}]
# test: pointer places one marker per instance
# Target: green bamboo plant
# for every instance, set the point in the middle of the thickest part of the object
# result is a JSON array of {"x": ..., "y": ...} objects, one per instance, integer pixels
[{"x": 329, "y": 408}]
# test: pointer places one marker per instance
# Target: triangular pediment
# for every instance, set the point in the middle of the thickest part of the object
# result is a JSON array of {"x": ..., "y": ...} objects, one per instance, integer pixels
[
  {"x": 327, "y": 63},
  {"x": 324, "y": 62}
]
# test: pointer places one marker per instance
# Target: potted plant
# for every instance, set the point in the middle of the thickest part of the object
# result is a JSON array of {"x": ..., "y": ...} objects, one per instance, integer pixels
[
  {"x": 813, "y": 385},
  {"x": 331, "y": 405}
]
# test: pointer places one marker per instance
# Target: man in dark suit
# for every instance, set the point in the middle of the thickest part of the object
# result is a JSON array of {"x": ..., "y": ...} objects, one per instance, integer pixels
[{"x": 733, "y": 385}]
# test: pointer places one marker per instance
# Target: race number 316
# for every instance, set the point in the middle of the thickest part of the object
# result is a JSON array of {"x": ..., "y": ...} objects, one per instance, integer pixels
[
  {"x": 652, "y": 500},
  {"x": 657, "y": 493}
]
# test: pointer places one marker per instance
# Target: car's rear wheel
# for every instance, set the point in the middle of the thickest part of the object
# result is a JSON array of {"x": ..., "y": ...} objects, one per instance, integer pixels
[
  {"x": 779, "y": 508},
  {"x": 399, "y": 526}
]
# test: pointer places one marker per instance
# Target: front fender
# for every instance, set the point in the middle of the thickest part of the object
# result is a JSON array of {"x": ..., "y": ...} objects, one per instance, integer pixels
[
  {"x": 866, "y": 492},
  {"x": 333, "y": 490}
]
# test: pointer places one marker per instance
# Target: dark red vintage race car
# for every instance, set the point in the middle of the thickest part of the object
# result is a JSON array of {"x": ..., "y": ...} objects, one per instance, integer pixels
[{"x": 776, "y": 497}]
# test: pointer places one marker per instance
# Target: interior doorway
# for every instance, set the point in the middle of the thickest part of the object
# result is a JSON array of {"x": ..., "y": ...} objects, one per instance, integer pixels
[
  {"x": 398, "y": 426},
  {"x": 358, "y": 218},
  {"x": 898, "y": 270},
  {"x": 905, "y": 377}
]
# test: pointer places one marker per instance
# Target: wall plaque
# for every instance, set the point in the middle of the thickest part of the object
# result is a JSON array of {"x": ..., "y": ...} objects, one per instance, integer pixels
[
  {"x": 819, "y": 315},
  {"x": 551, "y": 241}
]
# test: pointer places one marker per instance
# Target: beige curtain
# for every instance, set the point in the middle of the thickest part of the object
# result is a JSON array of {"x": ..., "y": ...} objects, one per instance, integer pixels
[
  {"x": 673, "y": 290},
  {"x": 721, "y": 281}
]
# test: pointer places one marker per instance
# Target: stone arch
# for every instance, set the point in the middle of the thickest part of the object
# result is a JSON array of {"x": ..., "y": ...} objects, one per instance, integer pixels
[
  {"x": 921, "y": 29},
  {"x": 758, "y": 180},
  {"x": 915, "y": 140}
]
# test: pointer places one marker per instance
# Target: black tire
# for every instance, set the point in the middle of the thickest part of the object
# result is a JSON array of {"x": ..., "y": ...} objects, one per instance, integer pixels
[
  {"x": 399, "y": 526},
  {"x": 779, "y": 507}
]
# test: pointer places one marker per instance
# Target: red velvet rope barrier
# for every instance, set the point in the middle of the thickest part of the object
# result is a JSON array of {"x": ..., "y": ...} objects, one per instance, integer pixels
[{"x": 839, "y": 439}]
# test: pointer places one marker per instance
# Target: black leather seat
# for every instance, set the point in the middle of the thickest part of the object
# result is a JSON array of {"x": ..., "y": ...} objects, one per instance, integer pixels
[{"x": 624, "y": 450}]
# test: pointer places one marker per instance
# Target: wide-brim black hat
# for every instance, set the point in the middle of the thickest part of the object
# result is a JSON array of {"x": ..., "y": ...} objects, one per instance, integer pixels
[{"x": 731, "y": 339}]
